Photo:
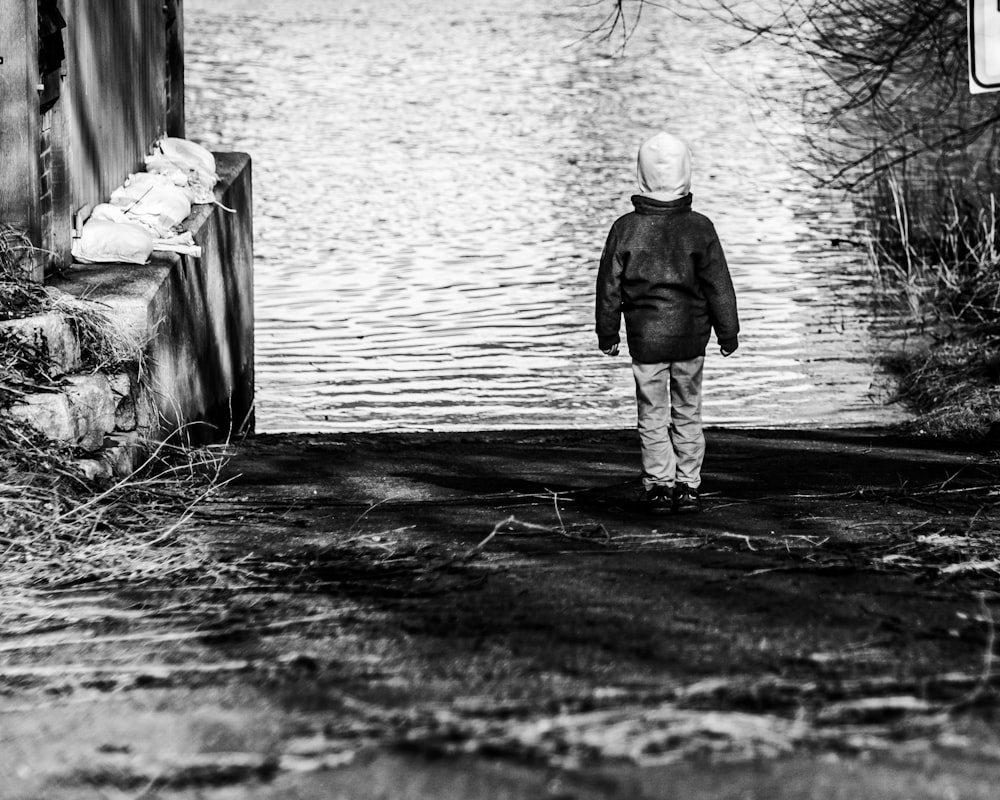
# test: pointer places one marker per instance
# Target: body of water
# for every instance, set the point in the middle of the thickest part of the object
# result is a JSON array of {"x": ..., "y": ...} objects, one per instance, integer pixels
[{"x": 433, "y": 183}]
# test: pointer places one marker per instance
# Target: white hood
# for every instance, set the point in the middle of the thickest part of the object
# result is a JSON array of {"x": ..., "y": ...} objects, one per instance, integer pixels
[{"x": 664, "y": 168}]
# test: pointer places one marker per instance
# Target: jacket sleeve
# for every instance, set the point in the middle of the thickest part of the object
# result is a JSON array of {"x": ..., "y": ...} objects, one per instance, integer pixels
[
  {"x": 609, "y": 295},
  {"x": 717, "y": 285}
]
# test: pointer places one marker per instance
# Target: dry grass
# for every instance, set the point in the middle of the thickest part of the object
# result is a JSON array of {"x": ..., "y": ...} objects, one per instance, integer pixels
[
  {"x": 15, "y": 251},
  {"x": 19, "y": 296},
  {"x": 952, "y": 385},
  {"x": 105, "y": 344},
  {"x": 945, "y": 265},
  {"x": 58, "y": 530},
  {"x": 22, "y": 368},
  {"x": 942, "y": 267}
]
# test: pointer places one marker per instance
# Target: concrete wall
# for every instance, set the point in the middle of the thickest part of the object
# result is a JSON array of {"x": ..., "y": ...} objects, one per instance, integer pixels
[
  {"x": 202, "y": 349},
  {"x": 196, "y": 315}
]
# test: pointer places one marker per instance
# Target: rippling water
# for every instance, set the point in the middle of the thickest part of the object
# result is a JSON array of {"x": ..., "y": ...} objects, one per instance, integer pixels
[{"x": 433, "y": 183}]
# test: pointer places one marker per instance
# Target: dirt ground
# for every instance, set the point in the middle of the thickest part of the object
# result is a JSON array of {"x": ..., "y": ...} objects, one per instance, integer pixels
[{"x": 492, "y": 615}]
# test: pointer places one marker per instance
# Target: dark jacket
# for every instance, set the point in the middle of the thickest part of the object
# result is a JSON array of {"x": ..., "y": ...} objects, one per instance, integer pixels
[{"x": 663, "y": 266}]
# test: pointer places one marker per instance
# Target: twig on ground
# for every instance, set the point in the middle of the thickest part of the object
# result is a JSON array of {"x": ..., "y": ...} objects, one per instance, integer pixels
[{"x": 986, "y": 674}]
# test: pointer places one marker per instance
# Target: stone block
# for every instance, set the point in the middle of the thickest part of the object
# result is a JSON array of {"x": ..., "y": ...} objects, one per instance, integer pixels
[
  {"x": 95, "y": 469},
  {"x": 125, "y": 452},
  {"x": 123, "y": 389},
  {"x": 49, "y": 413},
  {"x": 135, "y": 409},
  {"x": 54, "y": 337},
  {"x": 82, "y": 413},
  {"x": 121, "y": 455},
  {"x": 121, "y": 384},
  {"x": 94, "y": 408},
  {"x": 147, "y": 420},
  {"x": 125, "y": 415}
]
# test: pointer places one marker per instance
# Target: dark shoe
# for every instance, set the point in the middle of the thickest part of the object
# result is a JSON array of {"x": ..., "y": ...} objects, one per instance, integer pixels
[
  {"x": 686, "y": 500},
  {"x": 657, "y": 500}
]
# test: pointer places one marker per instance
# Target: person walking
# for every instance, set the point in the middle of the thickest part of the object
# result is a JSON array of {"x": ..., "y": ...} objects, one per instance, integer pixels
[{"x": 663, "y": 268}]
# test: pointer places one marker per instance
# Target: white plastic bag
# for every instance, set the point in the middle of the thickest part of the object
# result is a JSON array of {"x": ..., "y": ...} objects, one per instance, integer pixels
[{"x": 102, "y": 241}]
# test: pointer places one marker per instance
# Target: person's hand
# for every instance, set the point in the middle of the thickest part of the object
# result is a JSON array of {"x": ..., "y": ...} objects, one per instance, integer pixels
[
  {"x": 610, "y": 351},
  {"x": 726, "y": 353}
]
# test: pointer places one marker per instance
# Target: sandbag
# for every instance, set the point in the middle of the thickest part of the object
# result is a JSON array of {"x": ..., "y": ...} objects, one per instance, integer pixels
[
  {"x": 108, "y": 213},
  {"x": 185, "y": 163},
  {"x": 186, "y": 154},
  {"x": 102, "y": 241},
  {"x": 182, "y": 242},
  {"x": 160, "y": 165},
  {"x": 152, "y": 200}
]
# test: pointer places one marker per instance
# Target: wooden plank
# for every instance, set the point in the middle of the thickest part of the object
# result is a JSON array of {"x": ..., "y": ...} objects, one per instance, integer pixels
[
  {"x": 19, "y": 120},
  {"x": 61, "y": 235},
  {"x": 115, "y": 92},
  {"x": 174, "y": 10}
]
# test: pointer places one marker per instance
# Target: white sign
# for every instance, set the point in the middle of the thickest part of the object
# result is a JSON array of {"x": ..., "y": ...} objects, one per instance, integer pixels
[{"x": 984, "y": 46}]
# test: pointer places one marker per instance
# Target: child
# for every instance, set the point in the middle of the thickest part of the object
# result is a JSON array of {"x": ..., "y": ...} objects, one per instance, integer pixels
[{"x": 664, "y": 268}]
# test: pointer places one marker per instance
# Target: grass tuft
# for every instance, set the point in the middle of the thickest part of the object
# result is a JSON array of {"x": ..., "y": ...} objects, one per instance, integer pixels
[
  {"x": 939, "y": 262},
  {"x": 59, "y": 531}
]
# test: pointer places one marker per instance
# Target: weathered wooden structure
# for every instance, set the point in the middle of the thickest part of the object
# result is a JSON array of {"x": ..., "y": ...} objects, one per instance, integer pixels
[{"x": 86, "y": 86}]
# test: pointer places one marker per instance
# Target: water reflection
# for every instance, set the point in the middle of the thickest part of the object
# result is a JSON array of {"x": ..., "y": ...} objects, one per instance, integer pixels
[{"x": 433, "y": 184}]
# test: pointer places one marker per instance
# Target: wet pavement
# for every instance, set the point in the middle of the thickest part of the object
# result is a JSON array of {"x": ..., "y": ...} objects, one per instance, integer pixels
[{"x": 493, "y": 615}]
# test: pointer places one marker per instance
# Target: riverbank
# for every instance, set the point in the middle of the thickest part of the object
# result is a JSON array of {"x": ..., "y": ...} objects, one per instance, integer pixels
[
  {"x": 933, "y": 257},
  {"x": 952, "y": 387},
  {"x": 471, "y": 615}
]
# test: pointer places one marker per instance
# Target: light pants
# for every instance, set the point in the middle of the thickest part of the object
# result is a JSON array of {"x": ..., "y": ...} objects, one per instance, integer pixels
[{"x": 668, "y": 397}]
